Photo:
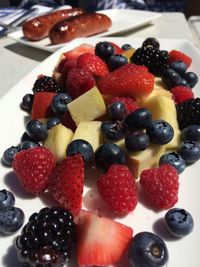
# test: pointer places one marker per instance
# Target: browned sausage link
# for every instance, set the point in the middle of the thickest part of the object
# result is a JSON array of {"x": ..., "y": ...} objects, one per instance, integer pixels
[
  {"x": 80, "y": 26},
  {"x": 39, "y": 27}
]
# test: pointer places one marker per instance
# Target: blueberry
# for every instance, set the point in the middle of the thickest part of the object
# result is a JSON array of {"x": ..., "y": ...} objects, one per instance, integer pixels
[
  {"x": 104, "y": 50},
  {"x": 11, "y": 219},
  {"x": 9, "y": 154},
  {"x": 191, "y": 132},
  {"x": 136, "y": 141},
  {"x": 116, "y": 110},
  {"x": 108, "y": 154},
  {"x": 173, "y": 159},
  {"x": 28, "y": 144},
  {"x": 147, "y": 250},
  {"x": 191, "y": 78},
  {"x": 126, "y": 47},
  {"x": 80, "y": 146},
  {"x": 190, "y": 151},
  {"x": 7, "y": 199},
  {"x": 113, "y": 131},
  {"x": 27, "y": 102},
  {"x": 179, "y": 66},
  {"x": 179, "y": 222},
  {"x": 183, "y": 82},
  {"x": 36, "y": 130},
  {"x": 116, "y": 61},
  {"x": 170, "y": 78},
  {"x": 52, "y": 122},
  {"x": 160, "y": 132},
  {"x": 25, "y": 137},
  {"x": 138, "y": 119},
  {"x": 59, "y": 103}
]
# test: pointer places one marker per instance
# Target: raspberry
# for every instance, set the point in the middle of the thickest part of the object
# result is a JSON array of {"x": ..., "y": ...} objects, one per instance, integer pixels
[
  {"x": 118, "y": 188},
  {"x": 46, "y": 84},
  {"x": 47, "y": 239},
  {"x": 79, "y": 81},
  {"x": 181, "y": 93},
  {"x": 129, "y": 103},
  {"x": 175, "y": 55},
  {"x": 161, "y": 185},
  {"x": 66, "y": 183},
  {"x": 33, "y": 167},
  {"x": 92, "y": 63}
]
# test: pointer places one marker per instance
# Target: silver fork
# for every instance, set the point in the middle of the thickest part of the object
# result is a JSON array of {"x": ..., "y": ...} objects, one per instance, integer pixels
[{"x": 13, "y": 26}]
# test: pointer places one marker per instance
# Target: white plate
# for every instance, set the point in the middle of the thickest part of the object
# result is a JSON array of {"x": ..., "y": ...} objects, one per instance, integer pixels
[
  {"x": 182, "y": 252},
  {"x": 122, "y": 21}
]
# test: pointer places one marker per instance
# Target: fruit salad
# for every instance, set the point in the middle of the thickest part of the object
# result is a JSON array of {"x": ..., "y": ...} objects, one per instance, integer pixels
[{"x": 108, "y": 135}]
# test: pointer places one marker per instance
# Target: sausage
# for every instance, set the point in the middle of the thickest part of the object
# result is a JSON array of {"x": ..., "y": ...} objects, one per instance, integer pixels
[
  {"x": 80, "y": 26},
  {"x": 39, "y": 27}
]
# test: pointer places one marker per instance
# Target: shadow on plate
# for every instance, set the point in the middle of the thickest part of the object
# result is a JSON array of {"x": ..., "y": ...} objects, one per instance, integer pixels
[
  {"x": 160, "y": 229},
  {"x": 29, "y": 52},
  {"x": 10, "y": 259}
]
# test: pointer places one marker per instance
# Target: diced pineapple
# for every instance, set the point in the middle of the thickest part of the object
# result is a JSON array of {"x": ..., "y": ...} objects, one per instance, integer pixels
[
  {"x": 139, "y": 161},
  {"x": 57, "y": 141},
  {"x": 89, "y": 131},
  {"x": 174, "y": 143},
  {"x": 87, "y": 107},
  {"x": 162, "y": 107},
  {"x": 128, "y": 53}
]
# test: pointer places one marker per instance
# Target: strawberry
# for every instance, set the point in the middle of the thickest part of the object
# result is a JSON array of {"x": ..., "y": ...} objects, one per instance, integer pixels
[
  {"x": 67, "y": 121},
  {"x": 79, "y": 81},
  {"x": 175, "y": 55},
  {"x": 128, "y": 80},
  {"x": 79, "y": 50},
  {"x": 66, "y": 183},
  {"x": 181, "y": 93},
  {"x": 161, "y": 185},
  {"x": 118, "y": 189},
  {"x": 100, "y": 241},
  {"x": 33, "y": 167},
  {"x": 117, "y": 50},
  {"x": 42, "y": 105},
  {"x": 130, "y": 104},
  {"x": 92, "y": 63}
]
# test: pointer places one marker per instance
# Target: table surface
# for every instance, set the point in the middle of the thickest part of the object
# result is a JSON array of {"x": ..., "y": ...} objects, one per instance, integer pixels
[{"x": 17, "y": 59}]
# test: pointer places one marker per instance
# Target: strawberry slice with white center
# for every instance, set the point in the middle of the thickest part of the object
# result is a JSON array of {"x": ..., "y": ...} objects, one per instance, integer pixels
[{"x": 100, "y": 241}]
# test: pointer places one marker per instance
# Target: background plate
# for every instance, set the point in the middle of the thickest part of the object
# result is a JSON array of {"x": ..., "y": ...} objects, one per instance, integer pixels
[
  {"x": 182, "y": 252},
  {"x": 122, "y": 21}
]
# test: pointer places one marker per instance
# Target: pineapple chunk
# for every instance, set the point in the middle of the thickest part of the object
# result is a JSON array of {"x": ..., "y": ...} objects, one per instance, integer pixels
[
  {"x": 89, "y": 131},
  {"x": 88, "y": 106},
  {"x": 139, "y": 161},
  {"x": 162, "y": 107},
  {"x": 128, "y": 53},
  {"x": 57, "y": 141},
  {"x": 175, "y": 142}
]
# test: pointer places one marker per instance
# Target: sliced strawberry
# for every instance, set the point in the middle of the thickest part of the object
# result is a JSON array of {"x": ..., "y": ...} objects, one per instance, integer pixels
[
  {"x": 117, "y": 49},
  {"x": 100, "y": 241},
  {"x": 79, "y": 50},
  {"x": 42, "y": 105},
  {"x": 129, "y": 80},
  {"x": 67, "y": 121},
  {"x": 92, "y": 63},
  {"x": 175, "y": 55},
  {"x": 66, "y": 183}
]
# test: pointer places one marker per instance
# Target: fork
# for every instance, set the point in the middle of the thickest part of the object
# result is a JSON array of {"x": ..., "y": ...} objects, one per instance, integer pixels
[{"x": 13, "y": 26}]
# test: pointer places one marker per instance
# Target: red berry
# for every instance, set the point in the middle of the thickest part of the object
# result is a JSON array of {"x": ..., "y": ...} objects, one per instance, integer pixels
[
  {"x": 117, "y": 50},
  {"x": 66, "y": 183},
  {"x": 67, "y": 121},
  {"x": 100, "y": 241},
  {"x": 118, "y": 189},
  {"x": 79, "y": 50},
  {"x": 130, "y": 104},
  {"x": 79, "y": 81},
  {"x": 92, "y": 63},
  {"x": 42, "y": 105},
  {"x": 33, "y": 167},
  {"x": 181, "y": 93},
  {"x": 128, "y": 80},
  {"x": 175, "y": 55},
  {"x": 161, "y": 185}
]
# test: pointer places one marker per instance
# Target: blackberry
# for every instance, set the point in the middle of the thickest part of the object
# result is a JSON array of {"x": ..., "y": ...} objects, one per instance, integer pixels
[
  {"x": 154, "y": 59},
  {"x": 188, "y": 112},
  {"x": 47, "y": 239},
  {"x": 151, "y": 42},
  {"x": 46, "y": 84}
]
